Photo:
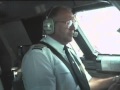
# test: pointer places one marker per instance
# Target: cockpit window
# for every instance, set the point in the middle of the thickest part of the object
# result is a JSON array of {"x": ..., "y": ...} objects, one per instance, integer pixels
[{"x": 100, "y": 27}]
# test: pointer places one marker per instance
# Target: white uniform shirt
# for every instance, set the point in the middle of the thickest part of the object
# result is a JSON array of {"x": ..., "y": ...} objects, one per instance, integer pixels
[{"x": 42, "y": 70}]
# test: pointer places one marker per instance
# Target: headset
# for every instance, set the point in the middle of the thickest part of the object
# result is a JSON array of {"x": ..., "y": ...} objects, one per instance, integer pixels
[{"x": 48, "y": 25}]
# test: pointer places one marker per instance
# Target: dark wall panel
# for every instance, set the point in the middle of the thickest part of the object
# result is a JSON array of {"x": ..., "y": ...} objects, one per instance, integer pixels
[
  {"x": 15, "y": 34},
  {"x": 34, "y": 28}
]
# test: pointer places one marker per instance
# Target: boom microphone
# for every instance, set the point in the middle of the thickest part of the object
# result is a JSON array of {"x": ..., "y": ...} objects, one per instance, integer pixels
[{"x": 75, "y": 34}]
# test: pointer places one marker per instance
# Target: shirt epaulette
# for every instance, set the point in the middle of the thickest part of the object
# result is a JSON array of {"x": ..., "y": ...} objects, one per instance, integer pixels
[{"x": 38, "y": 46}]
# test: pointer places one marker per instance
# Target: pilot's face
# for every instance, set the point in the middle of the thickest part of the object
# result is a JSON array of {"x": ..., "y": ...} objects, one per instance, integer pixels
[{"x": 64, "y": 27}]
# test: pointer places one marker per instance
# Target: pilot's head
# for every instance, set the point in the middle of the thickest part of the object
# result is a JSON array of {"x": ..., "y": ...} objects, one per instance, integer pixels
[{"x": 60, "y": 24}]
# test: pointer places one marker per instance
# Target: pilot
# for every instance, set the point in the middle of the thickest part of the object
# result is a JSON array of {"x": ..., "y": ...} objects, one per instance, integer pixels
[{"x": 42, "y": 69}]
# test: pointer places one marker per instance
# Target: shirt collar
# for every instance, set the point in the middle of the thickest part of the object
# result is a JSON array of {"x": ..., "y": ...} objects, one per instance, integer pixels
[{"x": 58, "y": 46}]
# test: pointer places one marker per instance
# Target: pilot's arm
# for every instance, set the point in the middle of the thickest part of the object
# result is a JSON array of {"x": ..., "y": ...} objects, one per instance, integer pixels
[{"x": 100, "y": 83}]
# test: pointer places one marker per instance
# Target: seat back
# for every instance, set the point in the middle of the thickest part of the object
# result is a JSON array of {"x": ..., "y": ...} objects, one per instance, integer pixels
[
  {"x": 22, "y": 49},
  {"x": 18, "y": 82},
  {"x": 1, "y": 86}
]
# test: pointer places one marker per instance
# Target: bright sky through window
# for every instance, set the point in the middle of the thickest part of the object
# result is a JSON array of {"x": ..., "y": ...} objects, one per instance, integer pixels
[{"x": 100, "y": 26}]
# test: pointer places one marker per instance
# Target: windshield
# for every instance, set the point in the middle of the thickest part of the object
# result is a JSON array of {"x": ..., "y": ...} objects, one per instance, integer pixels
[{"x": 100, "y": 27}]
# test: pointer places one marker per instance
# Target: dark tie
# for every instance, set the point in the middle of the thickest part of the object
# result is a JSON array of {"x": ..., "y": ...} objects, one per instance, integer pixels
[{"x": 78, "y": 70}]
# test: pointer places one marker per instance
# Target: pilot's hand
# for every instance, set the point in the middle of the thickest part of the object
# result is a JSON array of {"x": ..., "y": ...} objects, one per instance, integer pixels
[{"x": 116, "y": 84}]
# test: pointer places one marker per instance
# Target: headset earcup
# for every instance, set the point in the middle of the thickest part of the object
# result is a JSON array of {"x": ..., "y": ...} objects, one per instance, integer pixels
[{"x": 48, "y": 26}]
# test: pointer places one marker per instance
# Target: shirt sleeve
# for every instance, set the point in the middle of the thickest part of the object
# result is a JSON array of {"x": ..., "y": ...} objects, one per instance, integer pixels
[{"x": 37, "y": 71}]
